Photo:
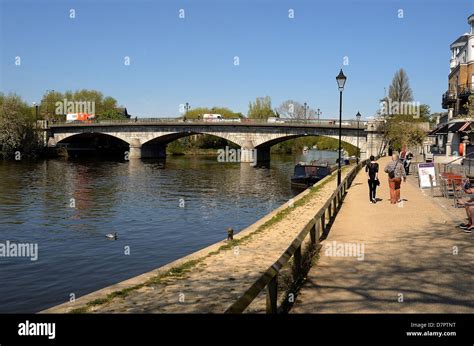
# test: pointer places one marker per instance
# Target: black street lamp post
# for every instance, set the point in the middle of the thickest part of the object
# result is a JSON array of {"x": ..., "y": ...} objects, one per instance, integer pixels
[
  {"x": 305, "y": 107},
  {"x": 186, "y": 107},
  {"x": 36, "y": 113},
  {"x": 371, "y": 139},
  {"x": 318, "y": 113},
  {"x": 358, "y": 116},
  {"x": 341, "y": 81}
]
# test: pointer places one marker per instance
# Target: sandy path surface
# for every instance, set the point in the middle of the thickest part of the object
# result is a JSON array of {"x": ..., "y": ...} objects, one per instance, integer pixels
[
  {"x": 219, "y": 280},
  {"x": 415, "y": 258}
]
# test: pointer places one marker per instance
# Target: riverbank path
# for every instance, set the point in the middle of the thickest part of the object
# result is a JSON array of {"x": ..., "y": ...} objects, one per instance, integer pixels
[{"x": 415, "y": 259}]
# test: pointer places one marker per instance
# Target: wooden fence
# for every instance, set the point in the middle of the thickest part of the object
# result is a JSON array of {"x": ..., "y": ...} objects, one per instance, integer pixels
[{"x": 316, "y": 227}]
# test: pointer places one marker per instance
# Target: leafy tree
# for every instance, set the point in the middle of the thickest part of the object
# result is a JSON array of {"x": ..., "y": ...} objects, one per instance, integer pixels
[
  {"x": 469, "y": 107},
  {"x": 195, "y": 113},
  {"x": 295, "y": 146},
  {"x": 211, "y": 142},
  {"x": 111, "y": 114},
  {"x": 17, "y": 127},
  {"x": 176, "y": 147},
  {"x": 425, "y": 112},
  {"x": 52, "y": 104},
  {"x": 261, "y": 108},
  {"x": 109, "y": 103},
  {"x": 403, "y": 125},
  {"x": 47, "y": 105},
  {"x": 403, "y": 129}
]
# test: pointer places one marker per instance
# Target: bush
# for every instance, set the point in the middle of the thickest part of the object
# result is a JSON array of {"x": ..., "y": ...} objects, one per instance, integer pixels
[
  {"x": 322, "y": 143},
  {"x": 17, "y": 127}
]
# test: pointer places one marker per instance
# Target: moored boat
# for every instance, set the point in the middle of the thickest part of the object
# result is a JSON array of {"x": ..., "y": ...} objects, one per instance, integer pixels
[{"x": 308, "y": 174}]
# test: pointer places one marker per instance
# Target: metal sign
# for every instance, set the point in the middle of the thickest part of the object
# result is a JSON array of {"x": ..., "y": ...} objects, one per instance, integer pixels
[{"x": 425, "y": 170}]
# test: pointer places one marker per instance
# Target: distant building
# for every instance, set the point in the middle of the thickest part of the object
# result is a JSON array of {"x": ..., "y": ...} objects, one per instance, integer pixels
[
  {"x": 461, "y": 75},
  {"x": 458, "y": 100}
]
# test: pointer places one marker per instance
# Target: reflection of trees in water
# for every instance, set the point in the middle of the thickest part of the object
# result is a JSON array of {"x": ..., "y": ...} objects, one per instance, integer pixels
[
  {"x": 17, "y": 186},
  {"x": 102, "y": 189},
  {"x": 92, "y": 185}
]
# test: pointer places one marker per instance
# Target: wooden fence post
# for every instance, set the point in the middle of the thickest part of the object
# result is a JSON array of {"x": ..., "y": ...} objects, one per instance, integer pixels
[
  {"x": 272, "y": 296},
  {"x": 312, "y": 234},
  {"x": 297, "y": 256}
]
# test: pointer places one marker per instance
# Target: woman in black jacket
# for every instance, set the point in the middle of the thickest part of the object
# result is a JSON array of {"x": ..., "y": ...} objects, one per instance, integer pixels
[{"x": 372, "y": 170}]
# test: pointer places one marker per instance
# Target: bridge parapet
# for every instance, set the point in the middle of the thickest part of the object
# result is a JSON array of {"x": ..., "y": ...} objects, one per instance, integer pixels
[{"x": 281, "y": 122}]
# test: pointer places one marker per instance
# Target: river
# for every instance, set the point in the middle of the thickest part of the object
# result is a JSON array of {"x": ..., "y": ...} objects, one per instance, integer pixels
[{"x": 160, "y": 213}]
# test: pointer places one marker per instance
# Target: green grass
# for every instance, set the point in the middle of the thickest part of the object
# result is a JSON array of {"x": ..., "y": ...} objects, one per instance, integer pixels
[{"x": 181, "y": 270}]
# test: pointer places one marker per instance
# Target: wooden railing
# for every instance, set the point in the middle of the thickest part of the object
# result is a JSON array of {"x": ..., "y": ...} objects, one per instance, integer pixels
[{"x": 316, "y": 227}]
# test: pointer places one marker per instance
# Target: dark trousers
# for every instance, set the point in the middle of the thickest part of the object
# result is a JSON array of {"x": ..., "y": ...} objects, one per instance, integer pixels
[
  {"x": 407, "y": 167},
  {"x": 372, "y": 188}
]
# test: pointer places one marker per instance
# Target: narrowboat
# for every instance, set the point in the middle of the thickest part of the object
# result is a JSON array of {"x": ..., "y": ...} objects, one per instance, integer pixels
[{"x": 308, "y": 174}]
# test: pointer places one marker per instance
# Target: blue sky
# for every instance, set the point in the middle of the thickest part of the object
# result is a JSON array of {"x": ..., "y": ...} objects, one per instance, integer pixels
[{"x": 175, "y": 60}]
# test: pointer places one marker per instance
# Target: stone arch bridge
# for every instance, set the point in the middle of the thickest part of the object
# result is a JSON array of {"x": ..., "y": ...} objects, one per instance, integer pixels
[{"x": 147, "y": 138}]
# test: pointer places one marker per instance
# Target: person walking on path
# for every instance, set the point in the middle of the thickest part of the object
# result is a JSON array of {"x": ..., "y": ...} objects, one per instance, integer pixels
[
  {"x": 407, "y": 162},
  {"x": 396, "y": 172},
  {"x": 372, "y": 170}
]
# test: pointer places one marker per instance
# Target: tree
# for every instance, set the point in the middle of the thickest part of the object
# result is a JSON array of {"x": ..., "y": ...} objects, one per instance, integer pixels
[
  {"x": 47, "y": 105},
  {"x": 111, "y": 114},
  {"x": 261, "y": 108},
  {"x": 403, "y": 129},
  {"x": 400, "y": 90},
  {"x": 469, "y": 107},
  {"x": 294, "y": 110},
  {"x": 194, "y": 113},
  {"x": 17, "y": 127},
  {"x": 53, "y": 105}
]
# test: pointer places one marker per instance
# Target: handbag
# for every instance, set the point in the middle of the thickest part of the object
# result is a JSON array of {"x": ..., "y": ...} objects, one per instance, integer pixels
[
  {"x": 391, "y": 174},
  {"x": 377, "y": 182}
]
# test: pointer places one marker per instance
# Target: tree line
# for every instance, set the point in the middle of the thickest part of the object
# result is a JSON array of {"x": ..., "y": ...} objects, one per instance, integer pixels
[
  {"x": 18, "y": 127},
  {"x": 53, "y": 105}
]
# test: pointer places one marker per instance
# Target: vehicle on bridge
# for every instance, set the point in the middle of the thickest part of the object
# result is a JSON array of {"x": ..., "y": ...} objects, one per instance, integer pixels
[
  {"x": 275, "y": 120},
  {"x": 212, "y": 117},
  {"x": 70, "y": 117}
]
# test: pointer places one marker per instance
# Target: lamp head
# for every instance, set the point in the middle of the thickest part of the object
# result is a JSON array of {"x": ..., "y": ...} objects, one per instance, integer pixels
[{"x": 341, "y": 80}]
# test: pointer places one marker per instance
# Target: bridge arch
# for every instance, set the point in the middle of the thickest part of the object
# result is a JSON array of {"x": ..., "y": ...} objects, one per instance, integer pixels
[
  {"x": 68, "y": 136},
  {"x": 96, "y": 143},
  {"x": 263, "y": 146},
  {"x": 172, "y": 136},
  {"x": 347, "y": 139}
]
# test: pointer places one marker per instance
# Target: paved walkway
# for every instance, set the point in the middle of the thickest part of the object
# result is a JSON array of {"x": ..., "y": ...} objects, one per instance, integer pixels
[
  {"x": 415, "y": 259},
  {"x": 220, "y": 277}
]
